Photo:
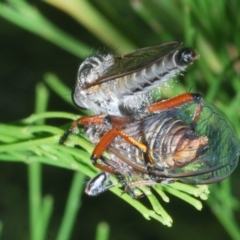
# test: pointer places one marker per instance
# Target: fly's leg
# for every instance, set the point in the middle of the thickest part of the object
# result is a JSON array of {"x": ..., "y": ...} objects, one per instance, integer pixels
[
  {"x": 131, "y": 186},
  {"x": 128, "y": 189},
  {"x": 94, "y": 120},
  {"x": 117, "y": 123},
  {"x": 178, "y": 101},
  {"x": 75, "y": 125},
  {"x": 109, "y": 137},
  {"x": 105, "y": 142}
]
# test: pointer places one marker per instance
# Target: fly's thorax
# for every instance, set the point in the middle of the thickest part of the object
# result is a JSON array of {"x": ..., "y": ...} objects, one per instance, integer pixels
[
  {"x": 135, "y": 105},
  {"x": 100, "y": 99}
]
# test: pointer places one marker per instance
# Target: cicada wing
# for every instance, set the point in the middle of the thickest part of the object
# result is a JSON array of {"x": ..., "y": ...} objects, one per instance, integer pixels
[
  {"x": 224, "y": 147},
  {"x": 216, "y": 163}
]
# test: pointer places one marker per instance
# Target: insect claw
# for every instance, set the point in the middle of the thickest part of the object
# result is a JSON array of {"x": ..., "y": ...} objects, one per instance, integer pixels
[
  {"x": 65, "y": 136},
  {"x": 93, "y": 159},
  {"x": 150, "y": 169}
]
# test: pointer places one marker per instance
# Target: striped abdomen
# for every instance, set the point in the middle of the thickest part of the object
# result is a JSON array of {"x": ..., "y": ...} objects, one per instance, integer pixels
[
  {"x": 106, "y": 82},
  {"x": 154, "y": 74}
]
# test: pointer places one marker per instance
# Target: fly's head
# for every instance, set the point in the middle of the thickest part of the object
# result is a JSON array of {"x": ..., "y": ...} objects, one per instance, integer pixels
[
  {"x": 93, "y": 68},
  {"x": 90, "y": 70}
]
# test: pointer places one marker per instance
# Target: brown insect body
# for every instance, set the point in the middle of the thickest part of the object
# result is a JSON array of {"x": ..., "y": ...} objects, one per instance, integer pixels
[{"x": 206, "y": 154}]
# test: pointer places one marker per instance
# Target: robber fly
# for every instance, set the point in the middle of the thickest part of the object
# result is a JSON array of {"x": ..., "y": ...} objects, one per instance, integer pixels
[
  {"x": 149, "y": 142},
  {"x": 118, "y": 85}
]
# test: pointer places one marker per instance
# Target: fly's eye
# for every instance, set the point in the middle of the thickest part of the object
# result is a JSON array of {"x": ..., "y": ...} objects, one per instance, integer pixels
[
  {"x": 186, "y": 56},
  {"x": 84, "y": 71}
]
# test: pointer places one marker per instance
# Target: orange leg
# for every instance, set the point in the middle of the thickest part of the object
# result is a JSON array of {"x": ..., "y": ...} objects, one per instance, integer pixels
[
  {"x": 107, "y": 139},
  {"x": 104, "y": 168},
  {"x": 178, "y": 101},
  {"x": 117, "y": 123}
]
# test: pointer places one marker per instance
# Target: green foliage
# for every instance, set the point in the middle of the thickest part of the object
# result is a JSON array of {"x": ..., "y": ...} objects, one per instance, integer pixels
[
  {"x": 37, "y": 142},
  {"x": 216, "y": 74}
]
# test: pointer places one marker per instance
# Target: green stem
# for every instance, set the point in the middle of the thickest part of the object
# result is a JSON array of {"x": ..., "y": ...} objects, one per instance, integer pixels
[
  {"x": 72, "y": 207},
  {"x": 34, "y": 176}
]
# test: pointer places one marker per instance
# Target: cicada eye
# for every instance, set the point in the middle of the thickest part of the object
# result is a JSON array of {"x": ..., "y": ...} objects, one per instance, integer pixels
[{"x": 186, "y": 56}]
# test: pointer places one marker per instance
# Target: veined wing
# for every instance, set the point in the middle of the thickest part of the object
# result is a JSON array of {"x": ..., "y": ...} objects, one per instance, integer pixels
[
  {"x": 135, "y": 61},
  {"x": 163, "y": 139}
]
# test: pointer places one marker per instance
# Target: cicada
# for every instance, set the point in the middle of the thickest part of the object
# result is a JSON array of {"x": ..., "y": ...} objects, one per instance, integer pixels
[{"x": 188, "y": 143}]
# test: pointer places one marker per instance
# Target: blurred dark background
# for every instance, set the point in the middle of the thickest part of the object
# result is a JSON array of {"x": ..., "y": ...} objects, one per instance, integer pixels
[{"x": 24, "y": 59}]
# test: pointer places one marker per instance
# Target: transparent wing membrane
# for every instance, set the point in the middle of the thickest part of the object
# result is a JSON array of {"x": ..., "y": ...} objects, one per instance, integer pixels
[{"x": 213, "y": 164}]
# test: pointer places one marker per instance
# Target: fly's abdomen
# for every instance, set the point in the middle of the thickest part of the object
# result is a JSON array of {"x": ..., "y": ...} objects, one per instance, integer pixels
[{"x": 154, "y": 74}]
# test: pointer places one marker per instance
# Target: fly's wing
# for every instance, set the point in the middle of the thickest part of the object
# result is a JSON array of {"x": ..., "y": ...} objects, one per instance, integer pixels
[
  {"x": 217, "y": 163},
  {"x": 136, "y": 60}
]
